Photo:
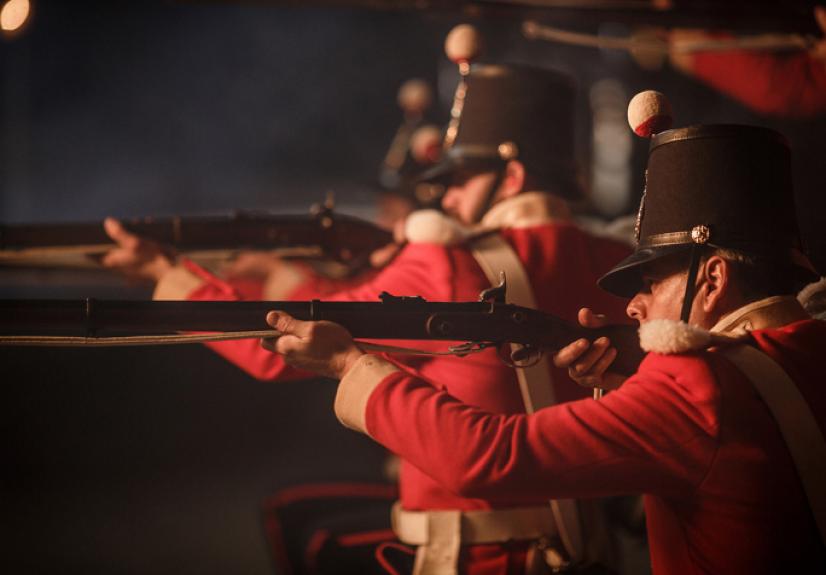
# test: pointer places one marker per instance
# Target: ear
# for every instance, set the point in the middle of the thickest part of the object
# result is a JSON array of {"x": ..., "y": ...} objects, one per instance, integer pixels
[
  {"x": 514, "y": 179},
  {"x": 716, "y": 283}
]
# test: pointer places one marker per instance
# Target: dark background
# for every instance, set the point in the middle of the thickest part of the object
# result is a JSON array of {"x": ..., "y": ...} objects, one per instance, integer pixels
[{"x": 157, "y": 460}]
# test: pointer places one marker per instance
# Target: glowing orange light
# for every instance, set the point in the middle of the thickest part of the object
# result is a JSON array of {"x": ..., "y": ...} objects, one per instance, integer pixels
[{"x": 14, "y": 14}]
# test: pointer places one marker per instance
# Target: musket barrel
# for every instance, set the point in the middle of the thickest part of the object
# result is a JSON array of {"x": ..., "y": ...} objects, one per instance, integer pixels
[
  {"x": 394, "y": 318},
  {"x": 371, "y": 320},
  {"x": 335, "y": 235}
]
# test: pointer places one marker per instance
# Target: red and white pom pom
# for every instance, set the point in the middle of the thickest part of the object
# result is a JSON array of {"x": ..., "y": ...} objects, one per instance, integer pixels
[
  {"x": 426, "y": 144},
  {"x": 649, "y": 113},
  {"x": 463, "y": 43},
  {"x": 415, "y": 96}
]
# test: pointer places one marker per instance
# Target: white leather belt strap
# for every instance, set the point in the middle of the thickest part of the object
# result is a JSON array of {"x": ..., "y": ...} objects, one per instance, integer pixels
[
  {"x": 494, "y": 255},
  {"x": 795, "y": 419},
  {"x": 477, "y": 527}
]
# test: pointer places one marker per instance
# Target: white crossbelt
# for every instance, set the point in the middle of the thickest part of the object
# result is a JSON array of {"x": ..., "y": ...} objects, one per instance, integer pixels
[
  {"x": 495, "y": 255},
  {"x": 795, "y": 419},
  {"x": 440, "y": 534}
]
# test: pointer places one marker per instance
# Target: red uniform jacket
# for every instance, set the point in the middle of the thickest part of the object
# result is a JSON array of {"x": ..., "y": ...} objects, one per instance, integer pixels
[
  {"x": 563, "y": 263},
  {"x": 688, "y": 431}
]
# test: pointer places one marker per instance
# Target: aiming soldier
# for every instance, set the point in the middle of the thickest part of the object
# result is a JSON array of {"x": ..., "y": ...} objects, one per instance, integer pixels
[
  {"x": 509, "y": 173},
  {"x": 721, "y": 427}
]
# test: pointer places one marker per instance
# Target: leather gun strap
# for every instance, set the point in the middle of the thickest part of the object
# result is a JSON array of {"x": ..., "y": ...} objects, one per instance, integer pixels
[
  {"x": 494, "y": 255},
  {"x": 795, "y": 419}
]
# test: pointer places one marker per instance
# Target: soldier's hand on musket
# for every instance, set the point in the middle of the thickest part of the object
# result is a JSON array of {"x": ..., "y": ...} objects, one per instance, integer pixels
[
  {"x": 322, "y": 347},
  {"x": 588, "y": 362},
  {"x": 383, "y": 256},
  {"x": 135, "y": 257}
]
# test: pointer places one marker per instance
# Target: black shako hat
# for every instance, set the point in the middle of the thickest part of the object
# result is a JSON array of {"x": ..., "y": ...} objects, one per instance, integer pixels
[
  {"x": 514, "y": 112},
  {"x": 722, "y": 186}
]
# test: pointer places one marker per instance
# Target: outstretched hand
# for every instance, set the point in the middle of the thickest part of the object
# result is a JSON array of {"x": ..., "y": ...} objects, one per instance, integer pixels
[
  {"x": 588, "y": 362},
  {"x": 322, "y": 347},
  {"x": 134, "y": 256}
]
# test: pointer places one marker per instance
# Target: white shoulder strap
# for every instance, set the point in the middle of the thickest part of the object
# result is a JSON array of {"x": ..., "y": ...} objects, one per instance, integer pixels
[
  {"x": 797, "y": 423},
  {"x": 494, "y": 255}
]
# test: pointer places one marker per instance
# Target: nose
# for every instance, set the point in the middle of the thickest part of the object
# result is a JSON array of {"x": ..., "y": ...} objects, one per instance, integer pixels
[{"x": 636, "y": 308}]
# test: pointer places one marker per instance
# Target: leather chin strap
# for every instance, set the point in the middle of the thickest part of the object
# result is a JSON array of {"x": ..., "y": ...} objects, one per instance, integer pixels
[
  {"x": 491, "y": 193},
  {"x": 691, "y": 280}
]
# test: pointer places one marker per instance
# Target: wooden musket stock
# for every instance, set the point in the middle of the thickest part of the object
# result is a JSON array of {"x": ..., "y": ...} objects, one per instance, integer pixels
[{"x": 396, "y": 318}]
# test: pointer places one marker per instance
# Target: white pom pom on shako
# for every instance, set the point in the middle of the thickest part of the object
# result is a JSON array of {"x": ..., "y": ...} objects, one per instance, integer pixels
[
  {"x": 433, "y": 227},
  {"x": 463, "y": 43},
  {"x": 668, "y": 337},
  {"x": 415, "y": 96},
  {"x": 649, "y": 113}
]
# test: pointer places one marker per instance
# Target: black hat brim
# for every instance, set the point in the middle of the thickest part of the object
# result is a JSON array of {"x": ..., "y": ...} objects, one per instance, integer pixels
[
  {"x": 625, "y": 279},
  {"x": 442, "y": 172}
]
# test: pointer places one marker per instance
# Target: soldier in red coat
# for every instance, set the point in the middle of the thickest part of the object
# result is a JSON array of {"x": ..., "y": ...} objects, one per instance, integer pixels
[
  {"x": 509, "y": 174},
  {"x": 787, "y": 84},
  {"x": 699, "y": 428}
]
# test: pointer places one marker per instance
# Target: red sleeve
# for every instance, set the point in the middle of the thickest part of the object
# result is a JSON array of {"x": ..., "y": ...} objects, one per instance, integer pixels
[
  {"x": 658, "y": 434},
  {"x": 792, "y": 85},
  {"x": 318, "y": 285},
  {"x": 420, "y": 269}
]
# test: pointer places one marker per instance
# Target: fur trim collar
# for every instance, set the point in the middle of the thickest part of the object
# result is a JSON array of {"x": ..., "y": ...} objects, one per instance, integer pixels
[
  {"x": 671, "y": 337},
  {"x": 434, "y": 227}
]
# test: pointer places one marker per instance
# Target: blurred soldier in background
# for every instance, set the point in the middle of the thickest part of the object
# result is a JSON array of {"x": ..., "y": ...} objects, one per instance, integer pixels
[{"x": 789, "y": 84}]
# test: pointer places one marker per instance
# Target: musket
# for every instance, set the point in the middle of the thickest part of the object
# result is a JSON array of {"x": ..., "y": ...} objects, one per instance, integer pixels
[
  {"x": 475, "y": 325},
  {"x": 778, "y": 16},
  {"x": 320, "y": 234}
]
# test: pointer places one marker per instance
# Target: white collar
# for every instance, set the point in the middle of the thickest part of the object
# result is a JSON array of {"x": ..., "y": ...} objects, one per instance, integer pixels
[
  {"x": 769, "y": 312},
  {"x": 526, "y": 210}
]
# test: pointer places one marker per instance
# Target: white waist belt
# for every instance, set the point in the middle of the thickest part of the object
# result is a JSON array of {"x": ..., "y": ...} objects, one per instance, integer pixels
[
  {"x": 439, "y": 535},
  {"x": 476, "y": 527}
]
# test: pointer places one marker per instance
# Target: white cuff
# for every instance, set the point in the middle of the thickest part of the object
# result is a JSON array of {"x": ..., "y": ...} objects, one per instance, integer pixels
[
  {"x": 176, "y": 284},
  {"x": 284, "y": 281},
  {"x": 356, "y": 387}
]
